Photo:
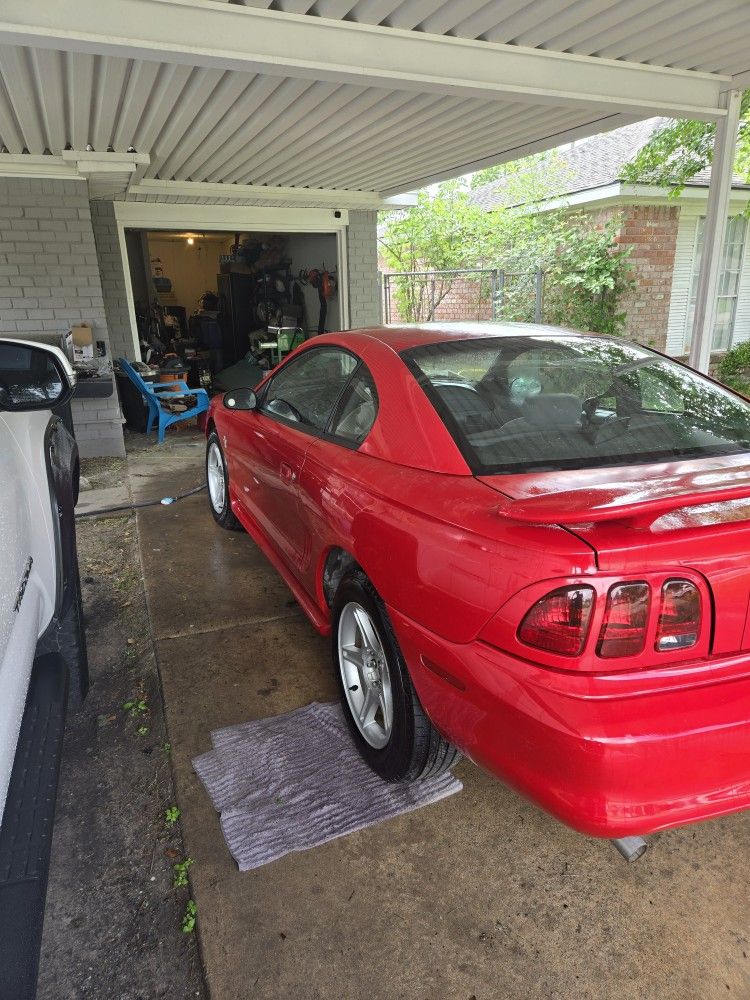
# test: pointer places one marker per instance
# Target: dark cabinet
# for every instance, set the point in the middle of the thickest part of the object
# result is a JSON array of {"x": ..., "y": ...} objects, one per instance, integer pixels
[{"x": 237, "y": 314}]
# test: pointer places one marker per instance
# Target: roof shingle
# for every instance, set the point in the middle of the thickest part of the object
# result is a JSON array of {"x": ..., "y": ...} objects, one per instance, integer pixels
[{"x": 594, "y": 162}]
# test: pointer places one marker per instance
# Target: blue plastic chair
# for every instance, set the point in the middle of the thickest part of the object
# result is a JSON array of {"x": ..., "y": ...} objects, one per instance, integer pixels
[{"x": 154, "y": 393}]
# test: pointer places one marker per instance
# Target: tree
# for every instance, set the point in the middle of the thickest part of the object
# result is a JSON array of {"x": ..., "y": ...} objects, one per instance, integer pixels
[
  {"x": 444, "y": 231},
  {"x": 678, "y": 150},
  {"x": 530, "y": 179},
  {"x": 447, "y": 230}
]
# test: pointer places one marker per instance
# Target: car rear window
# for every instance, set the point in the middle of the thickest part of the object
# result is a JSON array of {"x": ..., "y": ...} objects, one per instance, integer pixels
[{"x": 559, "y": 402}]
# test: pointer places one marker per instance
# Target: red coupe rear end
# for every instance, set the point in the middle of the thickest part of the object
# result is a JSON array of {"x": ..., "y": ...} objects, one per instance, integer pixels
[{"x": 539, "y": 540}]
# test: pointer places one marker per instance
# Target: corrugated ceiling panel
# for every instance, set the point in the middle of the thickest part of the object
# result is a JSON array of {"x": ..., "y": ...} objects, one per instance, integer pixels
[
  {"x": 223, "y": 126},
  {"x": 649, "y": 31},
  {"x": 201, "y": 124}
]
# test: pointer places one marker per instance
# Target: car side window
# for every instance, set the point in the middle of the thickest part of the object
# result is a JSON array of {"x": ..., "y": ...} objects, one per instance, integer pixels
[
  {"x": 357, "y": 409},
  {"x": 306, "y": 390}
]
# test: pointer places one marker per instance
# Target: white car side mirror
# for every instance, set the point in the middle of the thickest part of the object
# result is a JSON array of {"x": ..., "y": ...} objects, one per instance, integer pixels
[{"x": 33, "y": 376}]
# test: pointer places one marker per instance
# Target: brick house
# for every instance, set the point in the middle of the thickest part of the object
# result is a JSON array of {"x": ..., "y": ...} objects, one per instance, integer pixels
[{"x": 664, "y": 234}]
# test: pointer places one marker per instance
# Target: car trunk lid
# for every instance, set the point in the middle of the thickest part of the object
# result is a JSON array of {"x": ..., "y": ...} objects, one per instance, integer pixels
[{"x": 656, "y": 517}]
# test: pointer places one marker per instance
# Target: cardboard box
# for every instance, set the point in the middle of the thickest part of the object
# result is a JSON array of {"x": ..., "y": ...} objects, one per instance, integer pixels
[{"x": 83, "y": 342}]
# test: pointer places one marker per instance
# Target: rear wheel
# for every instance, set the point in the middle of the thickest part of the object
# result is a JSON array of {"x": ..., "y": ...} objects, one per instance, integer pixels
[
  {"x": 217, "y": 479},
  {"x": 389, "y": 726}
]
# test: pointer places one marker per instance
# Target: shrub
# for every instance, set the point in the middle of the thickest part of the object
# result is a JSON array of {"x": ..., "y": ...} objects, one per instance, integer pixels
[{"x": 734, "y": 368}]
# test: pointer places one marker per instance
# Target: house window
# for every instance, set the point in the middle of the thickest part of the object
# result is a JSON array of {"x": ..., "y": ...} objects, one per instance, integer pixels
[{"x": 729, "y": 282}]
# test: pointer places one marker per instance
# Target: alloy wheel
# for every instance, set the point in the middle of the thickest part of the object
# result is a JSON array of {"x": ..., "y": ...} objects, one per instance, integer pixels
[
  {"x": 215, "y": 475},
  {"x": 365, "y": 675}
]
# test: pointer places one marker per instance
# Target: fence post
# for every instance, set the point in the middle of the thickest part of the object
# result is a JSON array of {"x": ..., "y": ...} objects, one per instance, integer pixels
[
  {"x": 432, "y": 300},
  {"x": 538, "y": 276},
  {"x": 387, "y": 297},
  {"x": 500, "y": 291},
  {"x": 493, "y": 291}
]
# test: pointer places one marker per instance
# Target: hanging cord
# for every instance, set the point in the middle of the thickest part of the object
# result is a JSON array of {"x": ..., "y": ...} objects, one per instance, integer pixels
[{"x": 165, "y": 501}]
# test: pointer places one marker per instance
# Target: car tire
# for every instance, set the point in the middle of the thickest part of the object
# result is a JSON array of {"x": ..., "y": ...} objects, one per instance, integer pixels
[
  {"x": 217, "y": 480},
  {"x": 67, "y": 636},
  {"x": 407, "y": 747}
]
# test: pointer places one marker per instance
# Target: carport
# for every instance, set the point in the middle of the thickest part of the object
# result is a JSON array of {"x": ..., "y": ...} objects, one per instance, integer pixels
[{"x": 240, "y": 112}]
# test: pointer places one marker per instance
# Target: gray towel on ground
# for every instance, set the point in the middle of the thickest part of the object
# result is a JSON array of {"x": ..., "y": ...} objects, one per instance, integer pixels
[{"x": 294, "y": 781}]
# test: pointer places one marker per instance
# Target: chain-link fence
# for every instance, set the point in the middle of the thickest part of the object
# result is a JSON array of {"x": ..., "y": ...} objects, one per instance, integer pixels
[{"x": 468, "y": 294}]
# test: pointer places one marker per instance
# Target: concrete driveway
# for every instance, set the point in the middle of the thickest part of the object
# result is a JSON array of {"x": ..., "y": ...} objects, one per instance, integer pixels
[{"x": 480, "y": 896}]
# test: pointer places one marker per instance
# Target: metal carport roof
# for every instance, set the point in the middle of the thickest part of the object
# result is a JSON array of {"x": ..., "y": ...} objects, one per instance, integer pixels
[{"x": 374, "y": 96}]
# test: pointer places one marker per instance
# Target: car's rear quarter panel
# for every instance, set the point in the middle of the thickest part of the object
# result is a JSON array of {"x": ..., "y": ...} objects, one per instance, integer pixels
[{"x": 432, "y": 545}]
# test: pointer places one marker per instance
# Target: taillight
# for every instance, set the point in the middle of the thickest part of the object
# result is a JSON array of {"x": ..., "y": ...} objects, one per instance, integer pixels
[
  {"x": 560, "y": 621},
  {"x": 679, "y": 621},
  {"x": 623, "y": 631}
]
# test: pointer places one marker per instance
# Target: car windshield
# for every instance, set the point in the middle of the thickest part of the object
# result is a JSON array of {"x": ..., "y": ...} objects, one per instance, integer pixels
[{"x": 574, "y": 402}]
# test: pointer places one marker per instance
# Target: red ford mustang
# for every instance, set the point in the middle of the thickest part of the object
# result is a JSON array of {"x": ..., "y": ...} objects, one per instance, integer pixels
[{"x": 529, "y": 545}]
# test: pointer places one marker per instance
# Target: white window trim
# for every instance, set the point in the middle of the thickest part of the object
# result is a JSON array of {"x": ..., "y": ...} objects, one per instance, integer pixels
[
  {"x": 679, "y": 291},
  {"x": 687, "y": 324}
]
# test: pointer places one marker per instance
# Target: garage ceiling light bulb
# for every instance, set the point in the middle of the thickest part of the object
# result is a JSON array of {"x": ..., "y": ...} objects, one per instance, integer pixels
[{"x": 190, "y": 241}]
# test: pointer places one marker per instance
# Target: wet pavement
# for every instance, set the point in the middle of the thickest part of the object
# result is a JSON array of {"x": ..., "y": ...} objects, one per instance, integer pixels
[{"x": 480, "y": 896}]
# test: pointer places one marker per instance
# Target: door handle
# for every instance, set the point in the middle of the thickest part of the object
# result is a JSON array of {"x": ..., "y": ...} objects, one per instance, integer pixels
[{"x": 287, "y": 472}]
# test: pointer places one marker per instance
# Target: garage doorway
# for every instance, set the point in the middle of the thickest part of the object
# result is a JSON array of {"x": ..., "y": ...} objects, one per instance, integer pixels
[
  {"x": 253, "y": 283},
  {"x": 306, "y": 239}
]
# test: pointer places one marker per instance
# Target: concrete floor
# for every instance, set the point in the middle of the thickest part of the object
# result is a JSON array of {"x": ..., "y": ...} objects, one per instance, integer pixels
[{"x": 480, "y": 896}]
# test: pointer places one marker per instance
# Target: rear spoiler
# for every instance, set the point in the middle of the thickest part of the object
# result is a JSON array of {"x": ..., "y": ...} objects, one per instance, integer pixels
[{"x": 625, "y": 503}]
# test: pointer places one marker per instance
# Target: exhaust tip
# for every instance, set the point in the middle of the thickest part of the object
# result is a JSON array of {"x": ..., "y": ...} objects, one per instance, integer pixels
[{"x": 631, "y": 848}]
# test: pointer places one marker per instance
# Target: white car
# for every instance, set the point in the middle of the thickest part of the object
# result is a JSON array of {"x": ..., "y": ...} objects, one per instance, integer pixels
[{"x": 43, "y": 665}]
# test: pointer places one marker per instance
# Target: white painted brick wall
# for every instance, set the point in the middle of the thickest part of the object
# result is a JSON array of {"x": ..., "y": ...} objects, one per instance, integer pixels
[
  {"x": 112, "y": 279},
  {"x": 362, "y": 260},
  {"x": 49, "y": 280}
]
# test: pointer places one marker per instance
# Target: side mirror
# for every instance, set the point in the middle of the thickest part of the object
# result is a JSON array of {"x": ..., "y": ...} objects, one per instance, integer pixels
[
  {"x": 240, "y": 399},
  {"x": 33, "y": 376}
]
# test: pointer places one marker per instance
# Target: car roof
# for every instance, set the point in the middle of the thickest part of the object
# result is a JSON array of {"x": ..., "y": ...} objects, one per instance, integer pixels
[{"x": 401, "y": 338}]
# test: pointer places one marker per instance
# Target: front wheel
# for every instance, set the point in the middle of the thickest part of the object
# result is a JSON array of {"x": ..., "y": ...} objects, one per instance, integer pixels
[
  {"x": 217, "y": 480},
  {"x": 389, "y": 726}
]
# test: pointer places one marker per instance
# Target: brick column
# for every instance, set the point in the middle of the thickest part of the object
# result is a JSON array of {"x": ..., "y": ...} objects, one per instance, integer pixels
[
  {"x": 651, "y": 232},
  {"x": 49, "y": 281},
  {"x": 112, "y": 273},
  {"x": 362, "y": 240}
]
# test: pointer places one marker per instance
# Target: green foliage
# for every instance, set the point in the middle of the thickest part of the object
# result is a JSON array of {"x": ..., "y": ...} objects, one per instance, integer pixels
[
  {"x": 135, "y": 707},
  {"x": 171, "y": 815},
  {"x": 444, "y": 231},
  {"x": 527, "y": 180},
  {"x": 188, "y": 920},
  {"x": 679, "y": 150},
  {"x": 587, "y": 278},
  {"x": 181, "y": 872},
  {"x": 586, "y": 272},
  {"x": 734, "y": 368}
]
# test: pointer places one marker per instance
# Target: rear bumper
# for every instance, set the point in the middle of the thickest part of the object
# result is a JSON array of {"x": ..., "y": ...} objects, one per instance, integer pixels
[
  {"x": 26, "y": 830},
  {"x": 610, "y": 756}
]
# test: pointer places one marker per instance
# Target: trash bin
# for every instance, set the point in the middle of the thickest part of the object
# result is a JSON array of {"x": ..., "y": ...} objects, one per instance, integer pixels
[{"x": 134, "y": 406}]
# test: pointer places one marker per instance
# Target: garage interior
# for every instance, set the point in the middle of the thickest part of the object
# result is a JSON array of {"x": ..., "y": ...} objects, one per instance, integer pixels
[{"x": 264, "y": 282}]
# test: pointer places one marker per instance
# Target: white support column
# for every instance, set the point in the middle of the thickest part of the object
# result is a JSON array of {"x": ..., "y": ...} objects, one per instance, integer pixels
[{"x": 714, "y": 232}]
